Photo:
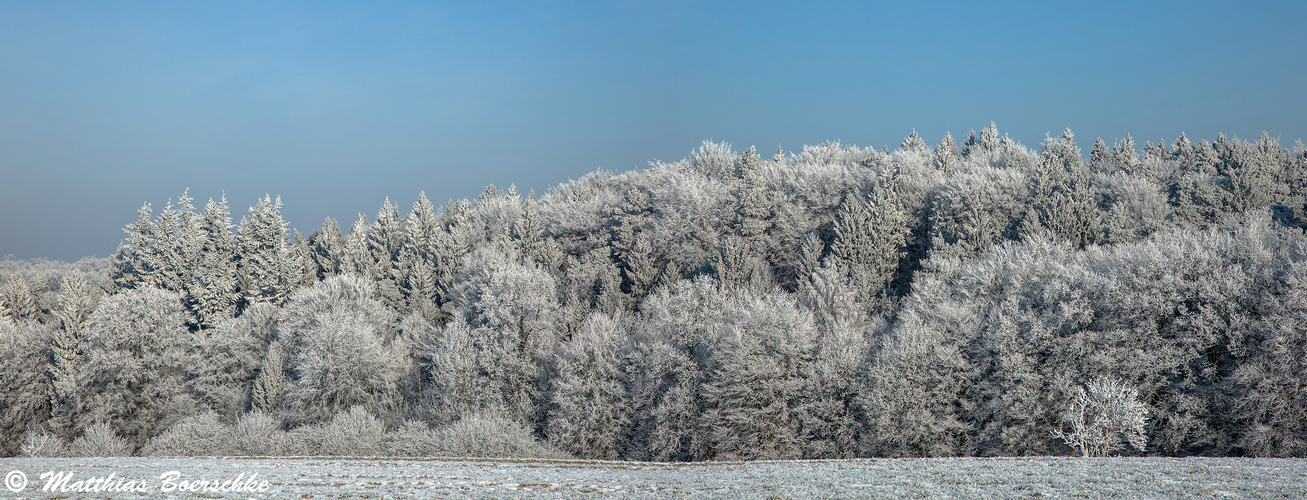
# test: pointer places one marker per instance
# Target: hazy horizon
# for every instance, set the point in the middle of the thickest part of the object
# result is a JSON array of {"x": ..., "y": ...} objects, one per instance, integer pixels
[{"x": 335, "y": 107}]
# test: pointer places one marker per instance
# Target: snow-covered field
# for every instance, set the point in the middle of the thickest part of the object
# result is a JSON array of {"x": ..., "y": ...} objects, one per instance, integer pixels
[{"x": 458, "y": 478}]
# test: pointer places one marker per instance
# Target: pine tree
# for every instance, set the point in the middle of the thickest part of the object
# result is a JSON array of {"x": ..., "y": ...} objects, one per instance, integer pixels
[
  {"x": 357, "y": 259},
  {"x": 758, "y": 204},
  {"x": 20, "y": 302},
  {"x": 212, "y": 294},
  {"x": 270, "y": 385},
  {"x": 76, "y": 304},
  {"x": 989, "y": 140},
  {"x": 1062, "y": 200},
  {"x": 419, "y": 260},
  {"x": 810, "y": 257},
  {"x": 179, "y": 241},
  {"x": 870, "y": 236},
  {"x": 738, "y": 266},
  {"x": 914, "y": 143},
  {"x": 266, "y": 266},
  {"x": 946, "y": 156},
  {"x": 136, "y": 263},
  {"x": 385, "y": 239},
  {"x": 1100, "y": 158},
  {"x": 1124, "y": 155},
  {"x": 328, "y": 245}
]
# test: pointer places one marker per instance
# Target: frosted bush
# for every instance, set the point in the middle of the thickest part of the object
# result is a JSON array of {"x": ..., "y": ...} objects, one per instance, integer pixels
[
  {"x": 100, "y": 440},
  {"x": 256, "y": 434},
  {"x": 413, "y": 439},
  {"x": 201, "y": 435},
  {"x": 355, "y": 432},
  {"x": 44, "y": 444},
  {"x": 489, "y": 436},
  {"x": 1104, "y": 417},
  {"x": 352, "y": 433}
]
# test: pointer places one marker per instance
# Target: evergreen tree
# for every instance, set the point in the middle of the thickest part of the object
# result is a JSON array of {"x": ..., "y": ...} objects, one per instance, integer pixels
[
  {"x": 987, "y": 142},
  {"x": 385, "y": 239},
  {"x": 870, "y": 236},
  {"x": 914, "y": 144},
  {"x": 1100, "y": 158},
  {"x": 20, "y": 302},
  {"x": 212, "y": 294},
  {"x": 1062, "y": 199},
  {"x": 357, "y": 259},
  {"x": 76, "y": 304},
  {"x": 946, "y": 156},
  {"x": 328, "y": 245},
  {"x": 270, "y": 384},
  {"x": 266, "y": 266},
  {"x": 420, "y": 260},
  {"x": 758, "y": 204}
]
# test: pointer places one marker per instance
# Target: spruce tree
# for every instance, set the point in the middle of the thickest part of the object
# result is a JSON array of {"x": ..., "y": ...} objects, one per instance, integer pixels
[
  {"x": 266, "y": 266},
  {"x": 1062, "y": 200},
  {"x": 914, "y": 144},
  {"x": 212, "y": 294},
  {"x": 328, "y": 246},
  {"x": 19, "y": 300},
  {"x": 385, "y": 239},
  {"x": 870, "y": 236},
  {"x": 76, "y": 304},
  {"x": 946, "y": 157},
  {"x": 418, "y": 260}
]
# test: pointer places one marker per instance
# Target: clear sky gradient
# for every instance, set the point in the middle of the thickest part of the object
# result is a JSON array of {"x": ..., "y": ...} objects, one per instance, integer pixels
[{"x": 334, "y": 106}]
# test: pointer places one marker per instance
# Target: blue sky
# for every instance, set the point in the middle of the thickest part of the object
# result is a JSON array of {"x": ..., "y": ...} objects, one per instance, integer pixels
[{"x": 335, "y": 106}]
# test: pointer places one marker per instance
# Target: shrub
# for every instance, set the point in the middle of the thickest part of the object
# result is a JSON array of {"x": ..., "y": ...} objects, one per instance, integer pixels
[
  {"x": 490, "y": 436},
  {"x": 201, "y": 435},
  {"x": 1104, "y": 417},
  {"x": 100, "y": 440},
  {"x": 44, "y": 444},
  {"x": 256, "y": 434},
  {"x": 413, "y": 439}
]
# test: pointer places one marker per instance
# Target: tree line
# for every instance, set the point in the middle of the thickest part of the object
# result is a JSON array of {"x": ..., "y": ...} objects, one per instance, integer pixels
[{"x": 836, "y": 302}]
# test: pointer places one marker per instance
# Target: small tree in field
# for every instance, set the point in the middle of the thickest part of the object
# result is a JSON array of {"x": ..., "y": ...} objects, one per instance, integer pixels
[{"x": 1105, "y": 417}]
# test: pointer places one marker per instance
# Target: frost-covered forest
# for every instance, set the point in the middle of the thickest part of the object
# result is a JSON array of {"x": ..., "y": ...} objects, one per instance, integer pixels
[{"x": 946, "y": 300}]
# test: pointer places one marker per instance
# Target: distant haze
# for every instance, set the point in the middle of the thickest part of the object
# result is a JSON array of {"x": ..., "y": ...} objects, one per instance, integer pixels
[{"x": 333, "y": 106}]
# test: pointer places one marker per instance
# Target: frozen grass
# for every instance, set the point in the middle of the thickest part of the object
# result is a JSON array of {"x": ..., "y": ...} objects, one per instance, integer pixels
[{"x": 320, "y": 478}]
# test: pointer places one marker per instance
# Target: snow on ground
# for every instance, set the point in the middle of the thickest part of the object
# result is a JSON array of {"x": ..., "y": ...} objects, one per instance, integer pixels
[{"x": 333, "y": 477}]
